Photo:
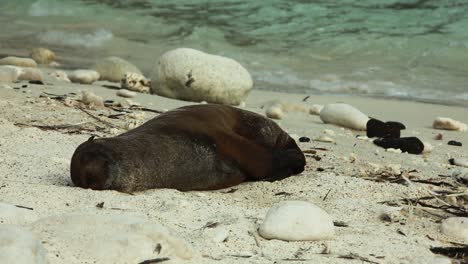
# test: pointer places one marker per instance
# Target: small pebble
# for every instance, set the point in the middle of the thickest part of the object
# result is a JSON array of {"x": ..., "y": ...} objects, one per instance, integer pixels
[
  {"x": 304, "y": 139},
  {"x": 92, "y": 100},
  {"x": 324, "y": 139},
  {"x": 454, "y": 143},
  {"x": 461, "y": 175},
  {"x": 455, "y": 227},
  {"x": 126, "y": 93},
  {"x": 459, "y": 162},
  {"x": 329, "y": 132}
]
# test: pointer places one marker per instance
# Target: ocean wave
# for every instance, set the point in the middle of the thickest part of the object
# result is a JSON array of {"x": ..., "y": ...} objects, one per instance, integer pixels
[
  {"x": 53, "y": 8},
  {"x": 95, "y": 39}
]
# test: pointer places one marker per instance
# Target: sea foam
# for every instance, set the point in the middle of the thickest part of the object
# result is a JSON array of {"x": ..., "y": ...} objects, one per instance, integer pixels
[{"x": 94, "y": 39}]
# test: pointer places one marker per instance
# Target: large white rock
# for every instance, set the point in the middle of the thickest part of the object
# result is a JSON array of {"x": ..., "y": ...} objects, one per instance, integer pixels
[
  {"x": 107, "y": 239},
  {"x": 297, "y": 220},
  {"x": 84, "y": 76},
  {"x": 192, "y": 75},
  {"x": 17, "y": 61},
  {"x": 42, "y": 55},
  {"x": 344, "y": 115},
  {"x": 9, "y": 74},
  {"x": 11, "y": 214},
  {"x": 456, "y": 227},
  {"x": 20, "y": 246},
  {"x": 113, "y": 69}
]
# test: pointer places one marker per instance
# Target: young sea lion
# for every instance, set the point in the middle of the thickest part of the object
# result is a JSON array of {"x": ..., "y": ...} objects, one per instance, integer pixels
[{"x": 198, "y": 147}]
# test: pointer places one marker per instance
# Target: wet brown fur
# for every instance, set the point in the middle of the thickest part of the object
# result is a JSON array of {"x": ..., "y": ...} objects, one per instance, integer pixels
[{"x": 198, "y": 147}]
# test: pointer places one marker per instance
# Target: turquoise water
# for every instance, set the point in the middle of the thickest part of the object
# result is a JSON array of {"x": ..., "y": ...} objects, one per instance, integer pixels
[{"x": 415, "y": 50}]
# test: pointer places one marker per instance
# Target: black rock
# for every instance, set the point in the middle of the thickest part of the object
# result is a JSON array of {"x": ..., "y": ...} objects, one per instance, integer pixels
[
  {"x": 455, "y": 143},
  {"x": 377, "y": 128},
  {"x": 304, "y": 139},
  {"x": 36, "y": 82},
  {"x": 407, "y": 144}
]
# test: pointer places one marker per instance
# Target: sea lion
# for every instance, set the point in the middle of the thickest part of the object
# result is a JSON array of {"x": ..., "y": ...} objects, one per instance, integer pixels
[{"x": 197, "y": 147}]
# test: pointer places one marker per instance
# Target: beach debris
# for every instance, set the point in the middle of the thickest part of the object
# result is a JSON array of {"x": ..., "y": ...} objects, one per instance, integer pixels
[
  {"x": 16, "y": 215},
  {"x": 455, "y": 227},
  {"x": 461, "y": 175},
  {"x": 459, "y": 162},
  {"x": 325, "y": 139},
  {"x": 357, "y": 257},
  {"x": 438, "y": 200},
  {"x": 344, "y": 115},
  {"x": 439, "y": 136},
  {"x": 60, "y": 76},
  {"x": 377, "y": 128},
  {"x": 192, "y": 75},
  {"x": 135, "y": 82},
  {"x": 315, "y": 109},
  {"x": 91, "y": 100},
  {"x": 454, "y": 143},
  {"x": 296, "y": 221},
  {"x": 155, "y": 260},
  {"x": 42, "y": 55},
  {"x": 279, "y": 109},
  {"x": 458, "y": 254},
  {"x": 60, "y": 233},
  {"x": 304, "y": 139},
  {"x": 17, "y": 61},
  {"x": 411, "y": 145},
  {"x": 447, "y": 123},
  {"x": 125, "y": 93},
  {"x": 113, "y": 68},
  {"x": 84, "y": 76},
  {"x": 19, "y": 245},
  {"x": 392, "y": 214}
]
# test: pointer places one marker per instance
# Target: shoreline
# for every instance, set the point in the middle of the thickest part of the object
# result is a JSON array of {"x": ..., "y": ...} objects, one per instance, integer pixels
[{"x": 355, "y": 181}]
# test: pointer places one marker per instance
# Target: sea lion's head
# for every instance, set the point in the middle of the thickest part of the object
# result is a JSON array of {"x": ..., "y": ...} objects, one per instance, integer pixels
[{"x": 92, "y": 165}]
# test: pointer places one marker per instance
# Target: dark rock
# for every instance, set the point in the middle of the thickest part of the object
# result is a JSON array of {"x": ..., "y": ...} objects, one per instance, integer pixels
[
  {"x": 304, "y": 139},
  {"x": 407, "y": 144},
  {"x": 455, "y": 143},
  {"x": 36, "y": 82},
  {"x": 377, "y": 128}
]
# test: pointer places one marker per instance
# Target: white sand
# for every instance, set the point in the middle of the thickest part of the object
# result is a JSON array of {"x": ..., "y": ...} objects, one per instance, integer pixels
[{"x": 34, "y": 172}]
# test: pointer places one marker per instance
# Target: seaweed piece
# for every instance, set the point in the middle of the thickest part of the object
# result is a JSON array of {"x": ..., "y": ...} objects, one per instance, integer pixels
[{"x": 407, "y": 144}]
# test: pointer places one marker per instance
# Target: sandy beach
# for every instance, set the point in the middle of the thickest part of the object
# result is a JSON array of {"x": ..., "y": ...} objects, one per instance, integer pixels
[{"x": 373, "y": 195}]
